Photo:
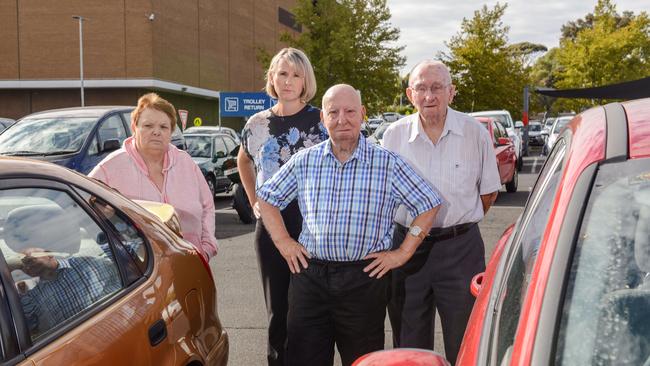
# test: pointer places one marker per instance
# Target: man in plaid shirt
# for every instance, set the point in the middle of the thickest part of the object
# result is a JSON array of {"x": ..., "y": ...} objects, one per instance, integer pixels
[{"x": 348, "y": 192}]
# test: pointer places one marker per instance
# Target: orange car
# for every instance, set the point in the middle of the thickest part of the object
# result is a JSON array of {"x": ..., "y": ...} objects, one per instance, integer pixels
[{"x": 90, "y": 277}]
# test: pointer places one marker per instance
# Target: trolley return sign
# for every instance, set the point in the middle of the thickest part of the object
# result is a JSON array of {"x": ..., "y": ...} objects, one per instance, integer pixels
[{"x": 243, "y": 104}]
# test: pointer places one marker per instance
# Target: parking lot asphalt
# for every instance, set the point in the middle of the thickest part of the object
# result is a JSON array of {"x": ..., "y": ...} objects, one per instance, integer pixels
[{"x": 240, "y": 296}]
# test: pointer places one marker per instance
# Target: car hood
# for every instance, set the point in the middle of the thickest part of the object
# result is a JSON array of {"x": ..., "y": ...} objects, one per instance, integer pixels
[{"x": 201, "y": 160}]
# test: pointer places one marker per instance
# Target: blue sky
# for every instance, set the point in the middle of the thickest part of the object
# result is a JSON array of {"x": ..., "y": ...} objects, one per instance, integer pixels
[{"x": 426, "y": 24}]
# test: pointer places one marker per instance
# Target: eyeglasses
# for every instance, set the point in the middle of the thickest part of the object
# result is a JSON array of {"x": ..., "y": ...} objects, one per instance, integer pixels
[{"x": 434, "y": 89}]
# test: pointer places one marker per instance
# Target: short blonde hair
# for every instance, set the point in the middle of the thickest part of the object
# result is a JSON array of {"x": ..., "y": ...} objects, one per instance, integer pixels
[
  {"x": 153, "y": 100},
  {"x": 299, "y": 61}
]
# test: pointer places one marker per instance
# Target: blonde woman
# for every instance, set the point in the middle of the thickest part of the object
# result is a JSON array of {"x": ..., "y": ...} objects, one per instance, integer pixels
[{"x": 269, "y": 139}]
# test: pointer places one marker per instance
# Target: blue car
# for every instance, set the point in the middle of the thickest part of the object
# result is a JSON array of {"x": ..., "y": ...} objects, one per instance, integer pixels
[{"x": 76, "y": 138}]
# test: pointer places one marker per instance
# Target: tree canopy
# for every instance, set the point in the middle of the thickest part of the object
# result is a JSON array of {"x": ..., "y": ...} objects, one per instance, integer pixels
[
  {"x": 352, "y": 42},
  {"x": 603, "y": 48},
  {"x": 488, "y": 73}
]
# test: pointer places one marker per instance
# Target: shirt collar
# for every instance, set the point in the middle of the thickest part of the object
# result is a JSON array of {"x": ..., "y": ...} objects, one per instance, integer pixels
[
  {"x": 451, "y": 125},
  {"x": 360, "y": 153}
]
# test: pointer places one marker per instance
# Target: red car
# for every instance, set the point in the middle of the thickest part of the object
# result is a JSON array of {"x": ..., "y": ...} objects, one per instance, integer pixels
[
  {"x": 569, "y": 282},
  {"x": 505, "y": 152}
]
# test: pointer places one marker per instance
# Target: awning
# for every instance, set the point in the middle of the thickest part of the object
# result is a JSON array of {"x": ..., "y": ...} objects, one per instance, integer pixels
[{"x": 634, "y": 89}]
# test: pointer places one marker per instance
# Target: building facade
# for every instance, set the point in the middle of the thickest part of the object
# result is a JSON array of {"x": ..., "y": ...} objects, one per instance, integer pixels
[{"x": 187, "y": 51}]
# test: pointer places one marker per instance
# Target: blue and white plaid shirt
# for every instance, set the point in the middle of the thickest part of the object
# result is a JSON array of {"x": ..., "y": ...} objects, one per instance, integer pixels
[{"x": 348, "y": 208}]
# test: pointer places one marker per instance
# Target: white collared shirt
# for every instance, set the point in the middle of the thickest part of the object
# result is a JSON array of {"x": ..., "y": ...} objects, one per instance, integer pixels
[{"x": 462, "y": 165}]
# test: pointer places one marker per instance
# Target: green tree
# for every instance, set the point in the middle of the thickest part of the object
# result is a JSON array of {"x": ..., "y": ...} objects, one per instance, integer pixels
[
  {"x": 352, "y": 42},
  {"x": 608, "y": 49},
  {"x": 488, "y": 73}
]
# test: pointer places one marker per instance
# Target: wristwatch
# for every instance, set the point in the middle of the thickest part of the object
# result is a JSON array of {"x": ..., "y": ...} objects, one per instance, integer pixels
[{"x": 417, "y": 232}]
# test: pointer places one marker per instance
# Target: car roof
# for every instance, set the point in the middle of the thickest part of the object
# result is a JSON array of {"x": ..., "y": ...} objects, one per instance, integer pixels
[
  {"x": 486, "y": 113},
  {"x": 95, "y": 111},
  {"x": 199, "y": 134}
]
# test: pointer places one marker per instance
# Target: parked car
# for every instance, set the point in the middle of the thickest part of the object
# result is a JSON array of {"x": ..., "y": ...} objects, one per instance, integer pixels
[
  {"x": 568, "y": 283},
  {"x": 373, "y": 123},
  {"x": 239, "y": 200},
  {"x": 5, "y": 122},
  {"x": 127, "y": 289},
  {"x": 209, "y": 152},
  {"x": 505, "y": 119},
  {"x": 391, "y": 116},
  {"x": 77, "y": 138},
  {"x": 178, "y": 139},
  {"x": 504, "y": 150},
  {"x": 555, "y": 130},
  {"x": 535, "y": 137},
  {"x": 378, "y": 136},
  {"x": 215, "y": 129}
]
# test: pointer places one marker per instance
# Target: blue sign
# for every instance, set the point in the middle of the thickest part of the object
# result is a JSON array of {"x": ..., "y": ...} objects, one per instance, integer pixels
[{"x": 243, "y": 104}]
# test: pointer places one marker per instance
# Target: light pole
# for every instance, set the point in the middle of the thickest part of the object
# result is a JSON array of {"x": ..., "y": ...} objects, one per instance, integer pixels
[{"x": 81, "y": 54}]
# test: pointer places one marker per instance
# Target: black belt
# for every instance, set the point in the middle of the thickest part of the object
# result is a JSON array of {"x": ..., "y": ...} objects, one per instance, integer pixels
[{"x": 445, "y": 233}]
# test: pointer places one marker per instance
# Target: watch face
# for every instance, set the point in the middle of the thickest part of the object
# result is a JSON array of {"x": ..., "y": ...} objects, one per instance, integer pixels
[{"x": 415, "y": 230}]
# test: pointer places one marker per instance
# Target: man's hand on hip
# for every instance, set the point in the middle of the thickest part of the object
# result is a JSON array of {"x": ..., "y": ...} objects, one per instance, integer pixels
[
  {"x": 294, "y": 253},
  {"x": 386, "y": 261}
]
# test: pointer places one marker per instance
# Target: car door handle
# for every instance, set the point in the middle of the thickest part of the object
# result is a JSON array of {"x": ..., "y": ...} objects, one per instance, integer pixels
[{"x": 157, "y": 332}]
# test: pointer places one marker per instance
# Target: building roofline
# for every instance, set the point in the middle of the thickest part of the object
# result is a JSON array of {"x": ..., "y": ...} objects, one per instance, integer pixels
[{"x": 154, "y": 84}]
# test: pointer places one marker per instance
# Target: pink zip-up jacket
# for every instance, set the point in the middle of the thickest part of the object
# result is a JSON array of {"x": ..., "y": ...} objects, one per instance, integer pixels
[{"x": 184, "y": 188}]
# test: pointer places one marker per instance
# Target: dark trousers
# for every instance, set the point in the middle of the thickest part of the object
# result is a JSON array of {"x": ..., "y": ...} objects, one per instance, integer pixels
[
  {"x": 438, "y": 276},
  {"x": 275, "y": 281},
  {"x": 335, "y": 303}
]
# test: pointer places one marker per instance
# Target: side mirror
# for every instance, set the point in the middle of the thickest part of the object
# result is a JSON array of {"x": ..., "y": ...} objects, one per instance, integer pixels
[
  {"x": 110, "y": 145},
  {"x": 402, "y": 357},
  {"x": 503, "y": 141},
  {"x": 519, "y": 124},
  {"x": 220, "y": 154}
]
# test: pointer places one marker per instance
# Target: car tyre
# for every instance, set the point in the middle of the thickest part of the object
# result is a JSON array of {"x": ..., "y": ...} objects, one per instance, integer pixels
[
  {"x": 520, "y": 163},
  {"x": 242, "y": 206},
  {"x": 511, "y": 186}
]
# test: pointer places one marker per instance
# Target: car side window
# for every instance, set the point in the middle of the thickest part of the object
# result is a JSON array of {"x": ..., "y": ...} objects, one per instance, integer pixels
[
  {"x": 111, "y": 128},
  {"x": 496, "y": 132},
  {"x": 60, "y": 268},
  {"x": 130, "y": 239},
  {"x": 502, "y": 130},
  {"x": 230, "y": 144},
  {"x": 93, "y": 149},
  {"x": 219, "y": 145},
  {"x": 523, "y": 254},
  {"x": 127, "y": 117}
]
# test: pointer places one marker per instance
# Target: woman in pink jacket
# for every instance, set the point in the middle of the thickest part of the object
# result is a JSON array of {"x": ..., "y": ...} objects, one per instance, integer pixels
[{"x": 149, "y": 167}]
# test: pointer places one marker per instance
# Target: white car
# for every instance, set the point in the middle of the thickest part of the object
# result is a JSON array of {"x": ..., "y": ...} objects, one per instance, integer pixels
[
  {"x": 558, "y": 126},
  {"x": 514, "y": 133},
  {"x": 391, "y": 116}
]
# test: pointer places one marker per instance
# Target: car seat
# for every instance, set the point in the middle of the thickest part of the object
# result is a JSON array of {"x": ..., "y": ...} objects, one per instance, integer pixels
[{"x": 48, "y": 227}]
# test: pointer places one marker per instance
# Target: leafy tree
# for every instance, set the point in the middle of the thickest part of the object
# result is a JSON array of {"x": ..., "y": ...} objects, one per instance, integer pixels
[
  {"x": 607, "y": 49},
  {"x": 488, "y": 73},
  {"x": 349, "y": 41}
]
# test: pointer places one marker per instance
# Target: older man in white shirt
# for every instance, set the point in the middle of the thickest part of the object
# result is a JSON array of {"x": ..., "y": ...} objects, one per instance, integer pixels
[{"x": 453, "y": 152}]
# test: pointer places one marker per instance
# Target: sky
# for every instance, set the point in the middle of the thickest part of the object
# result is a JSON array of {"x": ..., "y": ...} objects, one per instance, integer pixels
[{"x": 425, "y": 25}]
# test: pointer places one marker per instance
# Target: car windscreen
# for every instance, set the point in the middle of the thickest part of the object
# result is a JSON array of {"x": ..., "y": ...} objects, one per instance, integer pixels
[
  {"x": 379, "y": 132},
  {"x": 198, "y": 146},
  {"x": 606, "y": 314},
  {"x": 559, "y": 125},
  {"x": 46, "y": 136},
  {"x": 534, "y": 127}
]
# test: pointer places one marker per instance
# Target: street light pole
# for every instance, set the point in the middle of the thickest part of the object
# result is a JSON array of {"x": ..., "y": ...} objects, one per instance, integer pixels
[{"x": 81, "y": 54}]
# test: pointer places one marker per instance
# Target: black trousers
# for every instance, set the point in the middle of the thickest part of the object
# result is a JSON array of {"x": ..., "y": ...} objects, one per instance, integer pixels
[
  {"x": 275, "y": 281},
  {"x": 438, "y": 276},
  {"x": 335, "y": 303}
]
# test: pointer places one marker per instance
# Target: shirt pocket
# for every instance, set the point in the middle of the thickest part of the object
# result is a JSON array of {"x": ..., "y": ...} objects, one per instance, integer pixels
[{"x": 463, "y": 177}]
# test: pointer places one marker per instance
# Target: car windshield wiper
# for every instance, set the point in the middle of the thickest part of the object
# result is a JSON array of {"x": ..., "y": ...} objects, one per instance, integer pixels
[
  {"x": 59, "y": 152},
  {"x": 22, "y": 153}
]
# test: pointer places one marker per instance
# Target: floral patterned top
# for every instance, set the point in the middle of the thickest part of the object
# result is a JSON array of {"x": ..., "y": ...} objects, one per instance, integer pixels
[{"x": 270, "y": 140}]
